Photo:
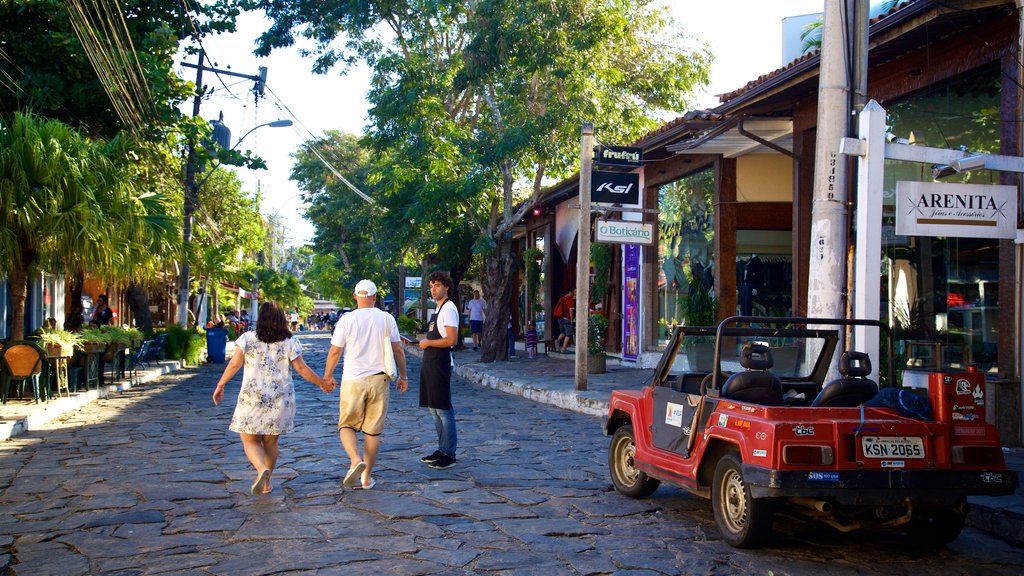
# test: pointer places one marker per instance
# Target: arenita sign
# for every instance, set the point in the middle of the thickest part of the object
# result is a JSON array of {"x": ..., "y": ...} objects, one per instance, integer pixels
[{"x": 956, "y": 210}]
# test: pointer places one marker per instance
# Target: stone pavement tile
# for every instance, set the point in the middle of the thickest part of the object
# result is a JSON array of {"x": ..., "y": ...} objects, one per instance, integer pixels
[
  {"x": 588, "y": 562},
  {"x": 276, "y": 526},
  {"x": 521, "y": 497},
  {"x": 366, "y": 527},
  {"x": 221, "y": 521},
  {"x": 645, "y": 557},
  {"x": 392, "y": 509},
  {"x": 451, "y": 558},
  {"x": 614, "y": 505},
  {"x": 421, "y": 530},
  {"x": 140, "y": 517},
  {"x": 525, "y": 529},
  {"x": 174, "y": 561},
  {"x": 138, "y": 530},
  {"x": 50, "y": 558},
  {"x": 250, "y": 558},
  {"x": 446, "y": 542},
  {"x": 103, "y": 502}
]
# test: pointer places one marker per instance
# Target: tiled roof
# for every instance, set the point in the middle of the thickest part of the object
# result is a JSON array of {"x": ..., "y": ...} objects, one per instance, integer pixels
[
  {"x": 780, "y": 71},
  {"x": 691, "y": 116}
]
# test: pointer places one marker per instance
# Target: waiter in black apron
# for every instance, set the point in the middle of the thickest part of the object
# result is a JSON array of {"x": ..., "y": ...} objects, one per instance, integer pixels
[{"x": 436, "y": 370}]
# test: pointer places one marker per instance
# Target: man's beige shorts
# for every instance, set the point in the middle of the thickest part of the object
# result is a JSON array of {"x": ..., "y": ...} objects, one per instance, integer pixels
[{"x": 364, "y": 404}]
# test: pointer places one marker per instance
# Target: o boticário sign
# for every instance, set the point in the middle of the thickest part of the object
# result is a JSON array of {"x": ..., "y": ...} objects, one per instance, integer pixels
[
  {"x": 956, "y": 210},
  {"x": 621, "y": 232}
]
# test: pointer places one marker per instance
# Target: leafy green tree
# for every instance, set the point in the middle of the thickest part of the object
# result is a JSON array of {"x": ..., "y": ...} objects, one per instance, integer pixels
[
  {"x": 45, "y": 68},
  {"x": 478, "y": 105}
]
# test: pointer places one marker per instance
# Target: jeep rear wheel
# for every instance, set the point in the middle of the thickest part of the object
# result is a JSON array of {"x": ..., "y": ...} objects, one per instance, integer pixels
[
  {"x": 744, "y": 522},
  {"x": 935, "y": 525},
  {"x": 625, "y": 476}
]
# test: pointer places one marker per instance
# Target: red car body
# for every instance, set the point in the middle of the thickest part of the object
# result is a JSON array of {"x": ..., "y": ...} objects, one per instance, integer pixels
[{"x": 850, "y": 465}]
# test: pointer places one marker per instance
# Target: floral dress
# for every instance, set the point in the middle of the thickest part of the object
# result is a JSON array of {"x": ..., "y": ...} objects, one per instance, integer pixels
[{"x": 266, "y": 402}]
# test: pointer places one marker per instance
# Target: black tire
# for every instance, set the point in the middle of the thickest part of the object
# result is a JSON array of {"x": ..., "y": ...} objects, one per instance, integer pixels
[
  {"x": 935, "y": 525},
  {"x": 744, "y": 522},
  {"x": 627, "y": 479}
]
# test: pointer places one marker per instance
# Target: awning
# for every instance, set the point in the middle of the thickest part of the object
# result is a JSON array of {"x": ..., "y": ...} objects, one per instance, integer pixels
[{"x": 729, "y": 140}]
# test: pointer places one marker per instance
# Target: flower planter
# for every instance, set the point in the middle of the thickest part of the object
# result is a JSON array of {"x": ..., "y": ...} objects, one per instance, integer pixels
[
  {"x": 94, "y": 347},
  {"x": 597, "y": 363},
  {"x": 59, "y": 350}
]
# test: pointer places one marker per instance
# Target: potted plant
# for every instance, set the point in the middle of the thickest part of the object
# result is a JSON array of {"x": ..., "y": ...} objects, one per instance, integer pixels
[
  {"x": 95, "y": 340},
  {"x": 700, "y": 308},
  {"x": 596, "y": 329},
  {"x": 59, "y": 343}
]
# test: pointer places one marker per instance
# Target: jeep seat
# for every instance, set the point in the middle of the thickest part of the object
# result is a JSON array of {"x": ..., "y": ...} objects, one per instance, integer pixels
[
  {"x": 853, "y": 389},
  {"x": 755, "y": 385}
]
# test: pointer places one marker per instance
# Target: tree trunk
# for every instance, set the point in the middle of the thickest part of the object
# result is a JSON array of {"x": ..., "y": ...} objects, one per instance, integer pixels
[
  {"x": 457, "y": 273},
  {"x": 74, "y": 319},
  {"x": 498, "y": 287},
  {"x": 19, "y": 288},
  {"x": 138, "y": 301}
]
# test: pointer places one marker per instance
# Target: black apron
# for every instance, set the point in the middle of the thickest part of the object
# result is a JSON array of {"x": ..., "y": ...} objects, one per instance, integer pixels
[{"x": 436, "y": 372}]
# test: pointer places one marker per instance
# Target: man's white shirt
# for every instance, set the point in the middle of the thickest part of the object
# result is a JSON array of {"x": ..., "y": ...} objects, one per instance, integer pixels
[{"x": 360, "y": 336}]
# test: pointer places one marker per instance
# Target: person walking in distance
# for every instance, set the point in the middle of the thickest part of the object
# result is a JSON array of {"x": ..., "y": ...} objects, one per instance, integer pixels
[
  {"x": 477, "y": 308},
  {"x": 436, "y": 370},
  {"x": 361, "y": 335},
  {"x": 266, "y": 401}
]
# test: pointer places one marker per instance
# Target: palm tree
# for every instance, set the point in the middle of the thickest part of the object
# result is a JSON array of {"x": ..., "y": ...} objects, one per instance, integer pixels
[
  {"x": 68, "y": 203},
  {"x": 45, "y": 201}
]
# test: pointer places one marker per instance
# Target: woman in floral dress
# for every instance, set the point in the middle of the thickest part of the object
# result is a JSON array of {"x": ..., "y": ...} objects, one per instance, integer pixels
[{"x": 266, "y": 402}]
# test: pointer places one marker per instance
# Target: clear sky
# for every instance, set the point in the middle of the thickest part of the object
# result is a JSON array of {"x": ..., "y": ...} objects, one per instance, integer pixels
[{"x": 744, "y": 36}]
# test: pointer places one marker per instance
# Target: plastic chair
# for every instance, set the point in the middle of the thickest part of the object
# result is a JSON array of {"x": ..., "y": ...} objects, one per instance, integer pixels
[{"x": 24, "y": 362}]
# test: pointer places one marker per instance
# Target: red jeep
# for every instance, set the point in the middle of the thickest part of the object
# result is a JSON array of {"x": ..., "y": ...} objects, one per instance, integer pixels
[{"x": 742, "y": 414}]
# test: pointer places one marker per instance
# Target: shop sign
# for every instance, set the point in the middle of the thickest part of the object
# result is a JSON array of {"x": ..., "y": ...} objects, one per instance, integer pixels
[
  {"x": 956, "y": 210},
  {"x": 621, "y": 232},
  {"x": 413, "y": 282},
  {"x": 615, "y": 187},
  {"x": 618, "y": 156}
]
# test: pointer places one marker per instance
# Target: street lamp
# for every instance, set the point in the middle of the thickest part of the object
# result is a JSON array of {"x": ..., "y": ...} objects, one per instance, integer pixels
[{"x": 191, "y": 201}]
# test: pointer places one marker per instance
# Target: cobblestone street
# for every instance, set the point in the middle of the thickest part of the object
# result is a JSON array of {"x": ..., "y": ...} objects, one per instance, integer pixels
[{"x": 152, "y": 482}]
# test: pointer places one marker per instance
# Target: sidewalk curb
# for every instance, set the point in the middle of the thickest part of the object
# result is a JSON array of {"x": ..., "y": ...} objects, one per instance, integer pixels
[
  {"x": 57, "y": 407},
  {"x": 569, "y": 400}
]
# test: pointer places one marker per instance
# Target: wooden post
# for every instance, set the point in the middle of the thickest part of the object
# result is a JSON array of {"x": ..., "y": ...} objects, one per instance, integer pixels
[{"x": 583, "y": 256}]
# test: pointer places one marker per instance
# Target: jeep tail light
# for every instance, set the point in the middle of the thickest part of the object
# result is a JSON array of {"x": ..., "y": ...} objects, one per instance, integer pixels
[
  {"x": 979, "y": 455},
  {"x": 807, "y": 455}
]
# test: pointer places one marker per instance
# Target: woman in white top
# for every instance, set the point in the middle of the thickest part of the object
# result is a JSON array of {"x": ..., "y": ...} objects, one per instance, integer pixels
[{"x": 266, "y": 401}]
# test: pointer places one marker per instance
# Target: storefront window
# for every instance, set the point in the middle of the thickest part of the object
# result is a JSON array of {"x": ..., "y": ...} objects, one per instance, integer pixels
[
  {"x": 685, "y": 250},
  {"x": 939, "y": 294}
]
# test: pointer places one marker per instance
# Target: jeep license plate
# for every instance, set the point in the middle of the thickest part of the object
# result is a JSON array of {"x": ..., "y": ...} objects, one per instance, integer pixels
[{"x": 910, "y": 447}]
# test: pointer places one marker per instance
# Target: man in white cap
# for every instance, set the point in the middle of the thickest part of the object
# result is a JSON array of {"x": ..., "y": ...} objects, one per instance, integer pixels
[{"x": 361, "y": 336}]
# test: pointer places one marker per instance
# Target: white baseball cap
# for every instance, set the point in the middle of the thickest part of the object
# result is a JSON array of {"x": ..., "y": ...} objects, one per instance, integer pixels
[{"x": 365, "y": 288}]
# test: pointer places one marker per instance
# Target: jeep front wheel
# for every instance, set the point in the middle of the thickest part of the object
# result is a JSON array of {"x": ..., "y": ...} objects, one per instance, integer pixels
[
  {"x": 744, "y": 522},
  {"x": 626, "y": 478}
]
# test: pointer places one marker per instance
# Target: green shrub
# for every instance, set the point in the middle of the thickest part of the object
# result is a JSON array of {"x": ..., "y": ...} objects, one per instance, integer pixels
[
  {"x": 184, "y": 344},
  {"x": 408, "y": 325}
]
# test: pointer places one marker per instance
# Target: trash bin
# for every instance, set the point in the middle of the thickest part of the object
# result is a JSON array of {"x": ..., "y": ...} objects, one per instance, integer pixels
[{"x": 216, "y": 344}]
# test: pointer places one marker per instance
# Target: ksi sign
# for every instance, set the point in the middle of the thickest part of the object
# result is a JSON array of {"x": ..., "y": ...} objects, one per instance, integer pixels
[{"x": 615, "y": 187}]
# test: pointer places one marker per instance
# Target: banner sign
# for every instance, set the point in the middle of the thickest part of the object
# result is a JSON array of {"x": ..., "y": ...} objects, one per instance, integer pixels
[
  {"x": 618, "y": 156},
  {"x": 413, "y": 282},
  {"x": 615, "y": 187},
  {"x": 631, "y": 302},
  {"x": 621, "y": 232},
  {"x": 956, "y": 210}
]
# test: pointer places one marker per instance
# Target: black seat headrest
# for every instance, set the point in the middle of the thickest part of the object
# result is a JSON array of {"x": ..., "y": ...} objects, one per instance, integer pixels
[
  {"x": 756, "y": 356},
  {"x": 854, "y": 364}
]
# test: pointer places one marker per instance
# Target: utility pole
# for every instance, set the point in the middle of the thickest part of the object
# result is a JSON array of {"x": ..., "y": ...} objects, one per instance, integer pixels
[
  {"x": 829, "y": 236},
  {"x": 191, "y": 187},
  {"x": 583, "y": 256}
]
